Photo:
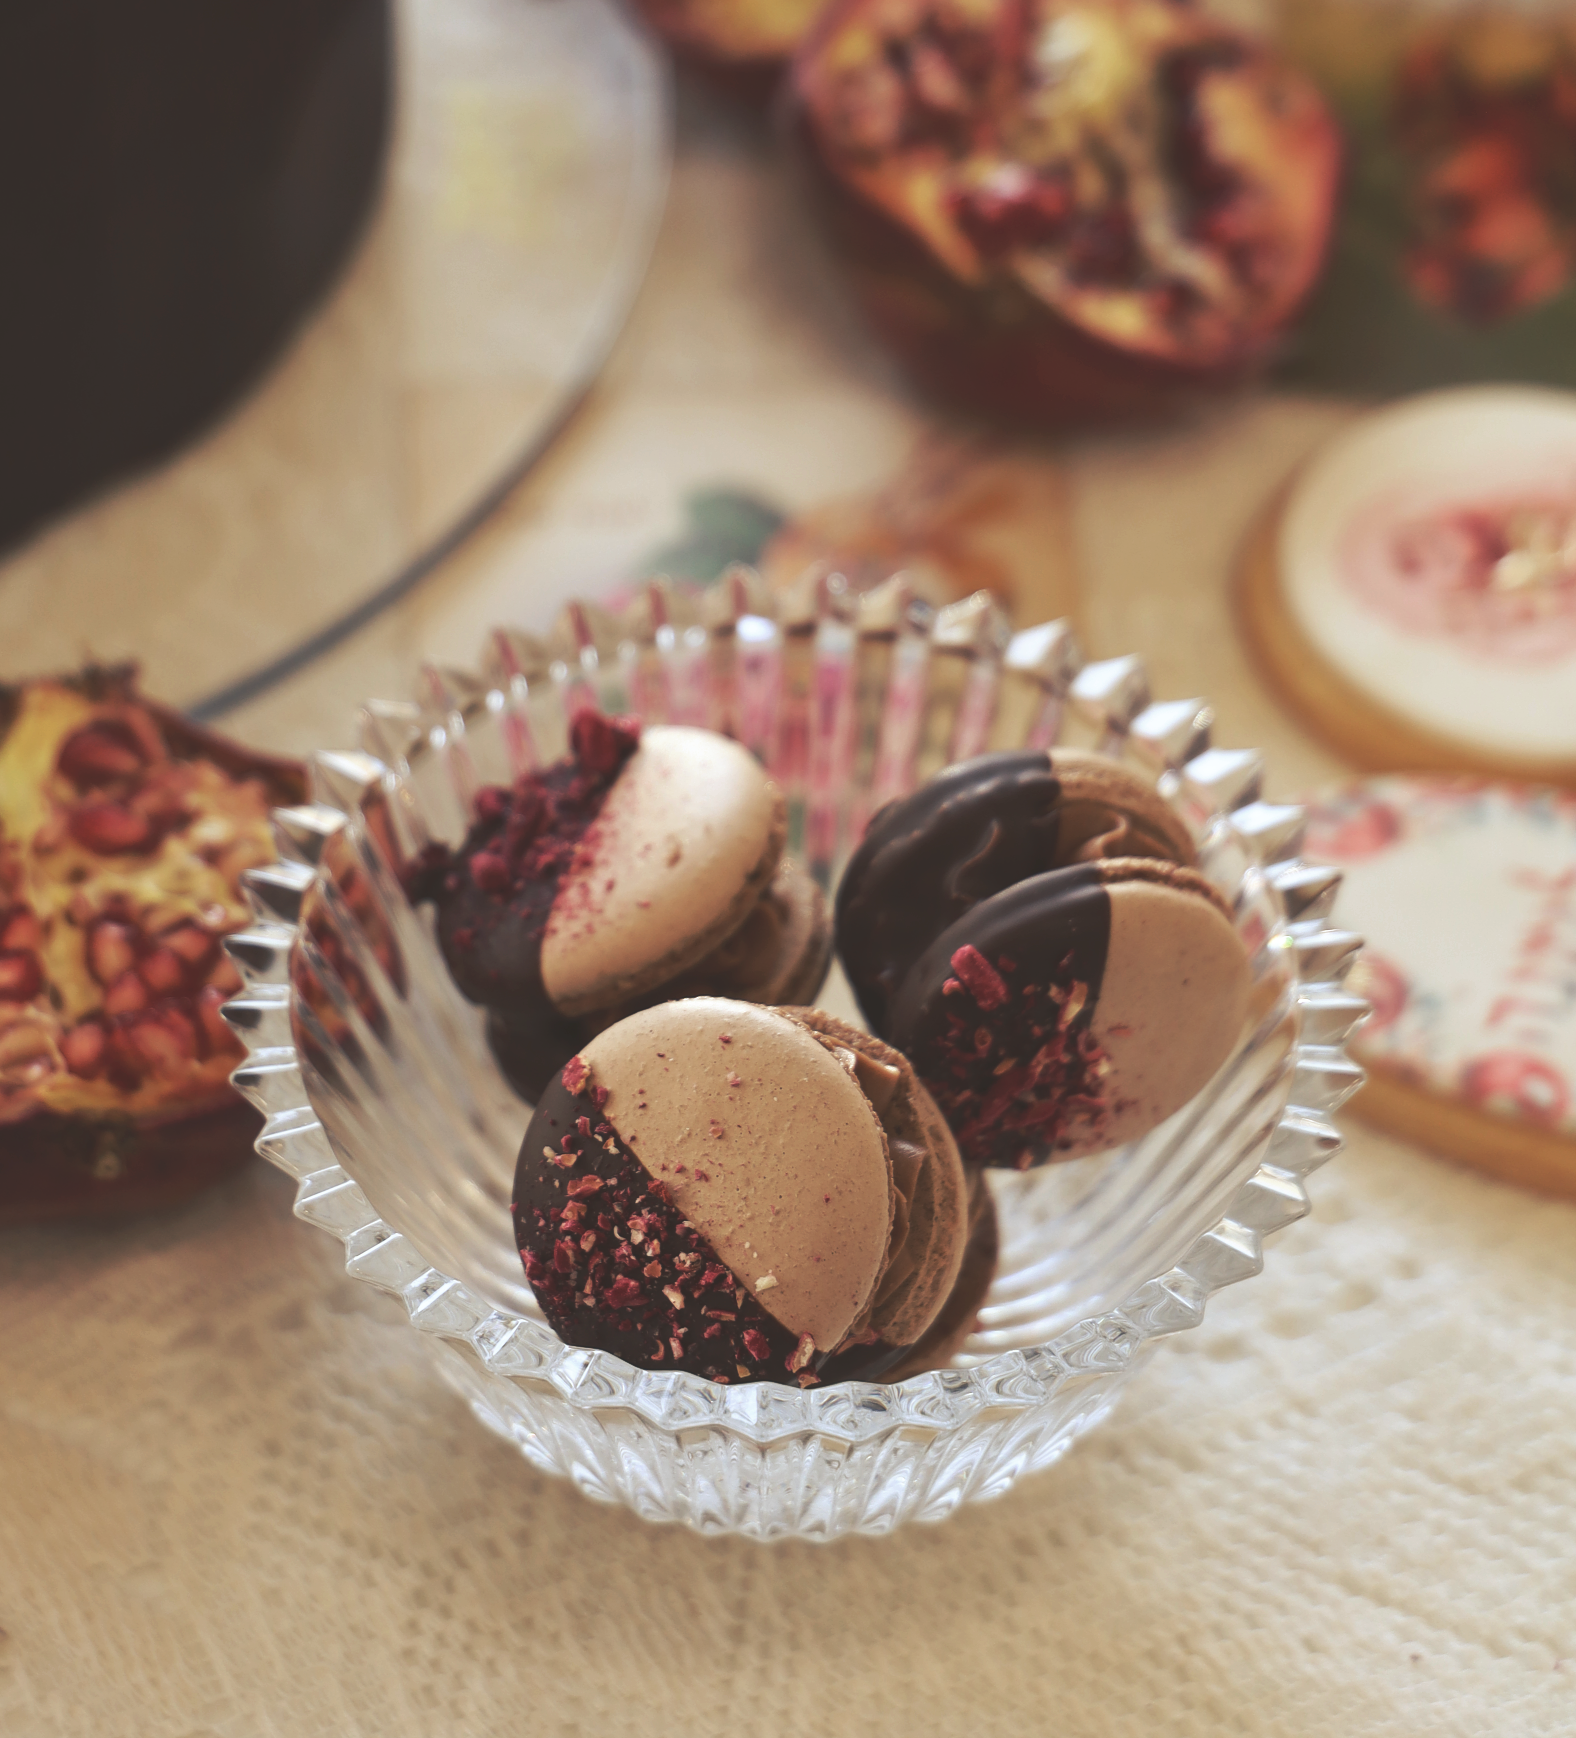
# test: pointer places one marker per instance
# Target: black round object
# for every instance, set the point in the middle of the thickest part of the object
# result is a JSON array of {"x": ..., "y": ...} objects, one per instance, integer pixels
[{"x": 179, "y": 182}]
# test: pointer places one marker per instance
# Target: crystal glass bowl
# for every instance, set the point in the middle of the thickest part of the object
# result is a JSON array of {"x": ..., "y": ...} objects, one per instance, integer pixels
[{"x": 383, "y": 1102}]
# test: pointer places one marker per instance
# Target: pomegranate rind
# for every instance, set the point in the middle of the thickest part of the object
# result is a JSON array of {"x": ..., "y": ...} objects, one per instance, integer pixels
[
  {"x": 67, "y": 1167},
  {"x": 1024, "y": 328},
  {"x": 124, "y": 833}
]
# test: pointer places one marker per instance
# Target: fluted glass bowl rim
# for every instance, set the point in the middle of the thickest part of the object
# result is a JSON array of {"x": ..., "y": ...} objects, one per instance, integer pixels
[{"x": 518, "y": 1349}]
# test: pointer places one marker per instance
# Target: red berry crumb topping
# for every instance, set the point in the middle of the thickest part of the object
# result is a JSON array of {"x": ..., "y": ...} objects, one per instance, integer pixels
[
  {"x": 615, "y": 1265},
  {"x": 1017, "y": 1072}
]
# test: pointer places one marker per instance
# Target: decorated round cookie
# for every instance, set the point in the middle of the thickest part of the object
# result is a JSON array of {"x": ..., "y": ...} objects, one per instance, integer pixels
[
  {"x": 1413, "y": 594},
  {"x": 1466, "y": 894}
]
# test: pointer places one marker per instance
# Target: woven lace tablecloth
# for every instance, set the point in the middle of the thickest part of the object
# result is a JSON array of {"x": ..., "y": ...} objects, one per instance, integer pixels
[{"x": 236, "y": 1500}]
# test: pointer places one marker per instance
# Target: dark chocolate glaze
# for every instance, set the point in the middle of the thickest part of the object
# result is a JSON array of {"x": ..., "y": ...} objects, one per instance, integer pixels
[
  {"x": 530, "y": 1046},
  {"x": 929, "y": 857},
  {"x": 995, "y": 1017},
  {"x": 668, "y": 1302},
  {"x": 181, "y": 180}
]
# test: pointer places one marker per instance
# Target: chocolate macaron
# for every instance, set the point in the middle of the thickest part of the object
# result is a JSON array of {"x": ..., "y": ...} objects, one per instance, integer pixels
[
  {"x": 648, "y": 863},
  {"x": 1076, "y": 1010},
  {"x": 973, "y": 831},
  {"x": 744, "y": 1193}
]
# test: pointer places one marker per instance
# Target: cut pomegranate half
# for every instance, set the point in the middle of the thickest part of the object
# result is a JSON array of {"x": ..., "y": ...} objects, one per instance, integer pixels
[
  {"x": 124, "y": 832},
  {"x": 1060, "y": 212}
]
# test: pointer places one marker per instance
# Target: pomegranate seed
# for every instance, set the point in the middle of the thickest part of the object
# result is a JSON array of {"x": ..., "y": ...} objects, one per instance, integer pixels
[
  {"x": 112, "y": 950},
  {"x": 163, "y": 972},
  {"x": 111, "y": 828},
  {"x": 20, "y": 977},
  {"x": 26, "y": 1055},
  {"x": 220, "y": 1037},
  {"x": 194, "y": 945},
  {"x": 19, "y": 931},
  {"x": 83, "y": 1047},
  {"x": 127, "y": 995},
  {"x": 99, "y": 754},
  {"x": 165, "y": 1040}
]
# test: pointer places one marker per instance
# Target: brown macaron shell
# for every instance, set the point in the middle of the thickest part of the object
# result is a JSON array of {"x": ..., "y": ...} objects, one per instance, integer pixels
[
  {"x": 1173, "y": 995},
  {"x": 955, "y": 1321},
  {"x": 778, "y": 955},
  {"x": 687, "y": 840},
  {"x": 931, "y": 1227},
  {"x": 1109, "y": 811},
  {"x": 768, "y": 1146}
]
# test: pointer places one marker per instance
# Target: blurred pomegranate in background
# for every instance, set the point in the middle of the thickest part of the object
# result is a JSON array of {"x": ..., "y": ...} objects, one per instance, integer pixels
[
  {"x": 1485, "y": 119},
  {"x": 124, "y": 832},
  {"x": 1067, "y": 211},
  {"x": 1455, "y": 256},
  {"x": 741, "y": 45}
]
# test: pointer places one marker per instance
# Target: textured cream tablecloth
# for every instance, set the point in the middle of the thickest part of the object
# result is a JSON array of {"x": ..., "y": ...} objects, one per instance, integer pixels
[{"x": 235, "y": 1499}]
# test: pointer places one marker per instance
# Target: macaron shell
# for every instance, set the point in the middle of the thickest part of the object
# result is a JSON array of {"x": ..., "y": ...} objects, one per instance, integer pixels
[
  {"x": 974, "y": 831},
  {"x": 1008, "y": 1023},
  {"x": 689, "y": 835},
  {"x": 1173, "y": 996},
  {"x": 1109, "y": 811},
  {"x": 768, "y": 1145},
  {"x": 778, "y": 955},
  {"x": 938, "y": 1209},
  {"x": 805, "y": 952},
  {"x": 955, "y": 1320}
]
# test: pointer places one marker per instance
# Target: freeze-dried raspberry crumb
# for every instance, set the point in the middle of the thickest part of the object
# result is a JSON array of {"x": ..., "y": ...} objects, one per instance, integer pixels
[
  {"x": 641, "y": 1276},
  {"x": 602, "y": 744},
  {"x": 575, "y": 1075},
  {"x": 1026, "y": 1079},
  {"x": 979, "y": 977}
]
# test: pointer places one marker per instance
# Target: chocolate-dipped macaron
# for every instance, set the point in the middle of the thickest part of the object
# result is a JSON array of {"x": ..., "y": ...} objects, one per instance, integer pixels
[
  {"x": 1076, "y": 1010},
  {"x": 973, "y": 831},
  {"x": 648, "y": 863},
  {"x": 745, "y": 1193}
]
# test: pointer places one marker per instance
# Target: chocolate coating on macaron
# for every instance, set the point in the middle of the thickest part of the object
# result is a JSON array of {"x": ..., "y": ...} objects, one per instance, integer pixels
[
  {"x": 974, "y": 831},
  {"x": 1076, "y": 1010},
  {"x": 710, "y": 1186}
]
